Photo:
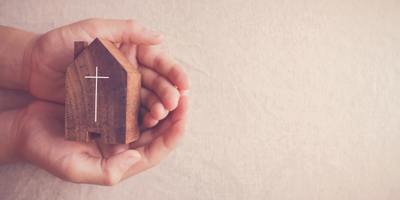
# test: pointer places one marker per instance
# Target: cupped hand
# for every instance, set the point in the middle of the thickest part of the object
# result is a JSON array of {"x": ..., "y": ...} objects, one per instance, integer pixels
[
  {"x": 163, "y": 99},
  {"x": 49, "y": 55},
  {"x": 42, "y": 140}
]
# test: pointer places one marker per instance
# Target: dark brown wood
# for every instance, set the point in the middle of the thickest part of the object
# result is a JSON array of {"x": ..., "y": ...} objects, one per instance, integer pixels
[
  {"x": 79, "y": 47},
  {"x": 114, "y": 114}
]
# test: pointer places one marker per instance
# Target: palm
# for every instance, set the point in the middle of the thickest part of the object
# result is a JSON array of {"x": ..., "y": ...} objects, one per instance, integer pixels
[{"x": 43, "y": 139}]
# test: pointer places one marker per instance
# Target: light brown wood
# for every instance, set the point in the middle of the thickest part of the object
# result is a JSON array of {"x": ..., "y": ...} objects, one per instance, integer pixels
[{"x": 114, "y": 114}]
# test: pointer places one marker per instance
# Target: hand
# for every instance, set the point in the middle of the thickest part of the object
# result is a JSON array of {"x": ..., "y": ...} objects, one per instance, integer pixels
[{"x": 41, "y": 124}]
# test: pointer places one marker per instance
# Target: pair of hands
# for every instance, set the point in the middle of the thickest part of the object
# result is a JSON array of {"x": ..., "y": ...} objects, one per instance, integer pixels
[{"x": 39, "y": 127}]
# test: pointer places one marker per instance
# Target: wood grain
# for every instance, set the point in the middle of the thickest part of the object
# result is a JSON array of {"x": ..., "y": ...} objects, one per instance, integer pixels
[
  {"x": 118, "y": 97},
  {"x": 79, "y": 47}
]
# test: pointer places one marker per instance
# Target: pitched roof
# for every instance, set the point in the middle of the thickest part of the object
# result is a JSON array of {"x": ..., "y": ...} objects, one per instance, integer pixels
[{"x": 114, "y": 51}]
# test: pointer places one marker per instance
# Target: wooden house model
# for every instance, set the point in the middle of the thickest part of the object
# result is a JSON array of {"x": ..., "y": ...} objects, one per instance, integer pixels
[{"x": 102, "y": 95}]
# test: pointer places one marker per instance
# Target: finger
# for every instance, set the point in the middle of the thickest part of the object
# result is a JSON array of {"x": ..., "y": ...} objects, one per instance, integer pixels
[
  {"x": 129, "y": 51},
  {"x": 184, "y": 92},
  {"x": 146, "y": 119},
  {"x": 117, "y": 31},
  {"x": 167, "y": 92},
  {"x": 180, "y": 113},
  {"x": 150, "y": 101},
  {"x": 161, "y": 146},
  {"x": 102, "y": 171},
  {"x": 165, "y": 64}
]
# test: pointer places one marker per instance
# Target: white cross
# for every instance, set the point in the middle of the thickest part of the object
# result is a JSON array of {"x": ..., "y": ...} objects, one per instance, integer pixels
[{"x": 95, "y": 99}]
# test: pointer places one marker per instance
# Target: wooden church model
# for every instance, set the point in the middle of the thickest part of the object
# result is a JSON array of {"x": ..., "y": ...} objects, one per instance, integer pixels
[{"x": 102, "y": 95}]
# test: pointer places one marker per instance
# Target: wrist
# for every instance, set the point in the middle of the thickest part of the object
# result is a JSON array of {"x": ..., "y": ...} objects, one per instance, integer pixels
[
  {"x": 9, "y": 143},
  {"x": 14, "y": 54}
]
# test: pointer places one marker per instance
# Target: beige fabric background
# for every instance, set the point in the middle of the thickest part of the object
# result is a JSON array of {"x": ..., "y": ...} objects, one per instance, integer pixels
[{"x": 291, "y": 99}]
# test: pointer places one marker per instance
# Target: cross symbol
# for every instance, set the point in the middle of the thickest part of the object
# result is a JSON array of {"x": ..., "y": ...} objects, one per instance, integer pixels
[{"x": 95, "y": 99}]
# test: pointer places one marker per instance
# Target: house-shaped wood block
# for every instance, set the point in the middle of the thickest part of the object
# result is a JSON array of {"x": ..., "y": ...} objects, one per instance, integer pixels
[{"x": 102, "y": 95}]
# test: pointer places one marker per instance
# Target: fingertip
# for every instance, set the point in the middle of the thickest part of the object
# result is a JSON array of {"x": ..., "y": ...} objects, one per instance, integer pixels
[
  {"x": 154, "y": 37},
  {"x": 114, "y": 167},
  {"x": 132, "y": 158},
  {"x": 189, "y": 83},
  {"x": 158, "y": 111},
  {"x": 186, "y": 82},
  {"x": 155, "y": 34},
  {"x": 184, "y": 93},
  {"x": 185, "y": 102},
  {"x": 170, "y": 100},
  {"x": 148, "y": 120},
  {"x": 180, "y": 77},
  {"x": 134, "y": 153}
]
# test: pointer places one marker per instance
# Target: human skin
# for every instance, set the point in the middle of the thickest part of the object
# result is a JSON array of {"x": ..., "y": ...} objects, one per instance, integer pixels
[{"x": 33, "y": 131}]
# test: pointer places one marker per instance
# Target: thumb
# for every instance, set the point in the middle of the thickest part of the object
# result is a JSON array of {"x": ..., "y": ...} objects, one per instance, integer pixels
[
  {"x": 114, "y": 167},
  {"x": 118, "y": 31},
  {"x": 105, "y": 171}
]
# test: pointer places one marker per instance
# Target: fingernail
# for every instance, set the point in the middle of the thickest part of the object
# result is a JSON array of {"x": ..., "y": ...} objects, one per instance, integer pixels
[
  {"x": 153, "y": 33},
  {"x": 128, "y": 162}
]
